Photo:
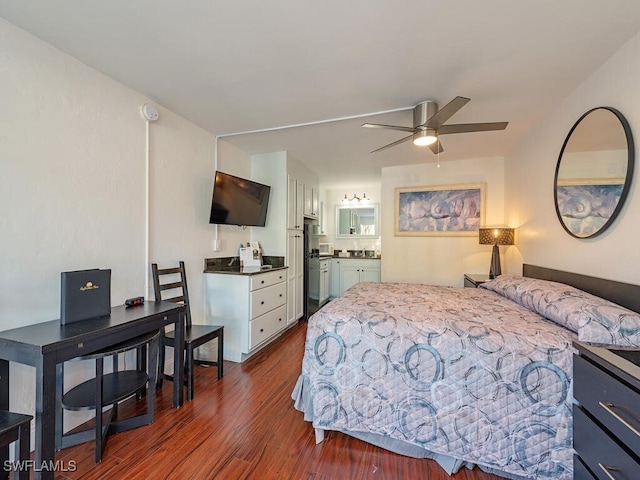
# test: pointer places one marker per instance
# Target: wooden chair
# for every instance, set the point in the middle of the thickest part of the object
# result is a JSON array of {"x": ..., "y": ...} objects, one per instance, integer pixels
[
  {"x": 107, "y": 390},
  {"x": 16, "y": 427},
  {"x": 194, "y": 335}
]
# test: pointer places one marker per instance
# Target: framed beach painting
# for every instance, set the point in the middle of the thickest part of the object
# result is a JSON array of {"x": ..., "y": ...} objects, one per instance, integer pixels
[
  {"x": 586, "y": 205},
  {"x": 445, "y": 210}
]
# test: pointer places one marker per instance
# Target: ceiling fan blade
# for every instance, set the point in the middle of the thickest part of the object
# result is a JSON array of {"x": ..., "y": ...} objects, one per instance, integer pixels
[
  {"x": 446, "y": 112},
  {"x": 389, "y": 127},
  {"x": 397, "y": 142},
  {"x": 472, "y": 127},
  {"x": 436, "y": 147}
]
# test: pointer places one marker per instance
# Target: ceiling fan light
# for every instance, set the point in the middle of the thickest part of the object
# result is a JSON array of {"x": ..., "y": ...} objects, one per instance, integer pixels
[{"x": 425, "y": 137}]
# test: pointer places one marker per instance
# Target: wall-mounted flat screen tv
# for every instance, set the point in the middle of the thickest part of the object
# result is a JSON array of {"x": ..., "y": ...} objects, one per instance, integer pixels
[{"x": 238, "y": 201}]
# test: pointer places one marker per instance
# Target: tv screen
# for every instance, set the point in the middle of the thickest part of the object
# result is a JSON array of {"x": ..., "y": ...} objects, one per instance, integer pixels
[{"x": 238, "y": 201}]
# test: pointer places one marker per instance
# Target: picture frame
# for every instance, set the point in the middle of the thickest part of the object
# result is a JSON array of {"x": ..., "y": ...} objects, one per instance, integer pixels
[
  {"x": 439, "y": 210},
  {"x": 586, "y": 205}
]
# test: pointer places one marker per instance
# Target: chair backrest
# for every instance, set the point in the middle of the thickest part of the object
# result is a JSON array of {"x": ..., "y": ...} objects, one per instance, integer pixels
[{"x": 179, "y": 287}]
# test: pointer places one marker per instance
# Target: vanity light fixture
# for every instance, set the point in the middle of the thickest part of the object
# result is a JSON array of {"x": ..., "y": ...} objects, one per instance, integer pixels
[{"x": 355, "y": 198}]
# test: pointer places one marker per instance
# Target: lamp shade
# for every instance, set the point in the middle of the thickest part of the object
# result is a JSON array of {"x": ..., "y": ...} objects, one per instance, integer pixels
[{"x": 496, "y": 236}]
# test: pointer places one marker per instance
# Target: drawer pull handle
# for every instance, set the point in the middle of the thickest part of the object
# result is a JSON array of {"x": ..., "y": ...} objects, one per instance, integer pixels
[
  {"x": 261, "y": 330},
  {"x": 609, "y": 408},
  {"x": 262, "y": 302},
  {"x": 262, "y": 281},
  {"x": 280, "y": 294},
  {"x": 607, "y": 469}
]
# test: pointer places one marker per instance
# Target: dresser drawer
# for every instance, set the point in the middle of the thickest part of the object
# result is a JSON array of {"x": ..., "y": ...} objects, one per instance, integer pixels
[
  {"x": 263, "y": 280},
  {"x": 610, "y": 401},
  {"x": 599, "y": 451},
  {"x": 267, "y": 325},
  {"x": 580, "y": 471},
  {"x": 268, "y": 298}
]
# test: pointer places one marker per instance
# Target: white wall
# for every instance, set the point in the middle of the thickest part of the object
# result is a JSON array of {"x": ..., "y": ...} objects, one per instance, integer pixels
[
  {"x": 72, "y": 188},
  {"x": 234, "y": 161},
  {"x": 529, "y": 173},
  {"x": 440, "y": 260},
  {"x": 181, "y": 182},
  {"x": 271, "y": 169}
]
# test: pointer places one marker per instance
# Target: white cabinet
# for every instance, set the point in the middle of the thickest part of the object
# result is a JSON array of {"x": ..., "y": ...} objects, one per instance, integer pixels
[
  {"x": 320, "y": 279},
  {"x": 311, "y": 201},
  {"x": 324, "y": 287},
  {"x": 295, "y": 204},
  {"x": 302, "y": 201},
  {"x": 295, "y": 275},
  {"x": 354, "y": 271},
  {"x": 314, "y": 278},
  {"x": 252, "y": 308},
  {"x": 322, "y": 219},
  {"x": 335, "y": 277}
]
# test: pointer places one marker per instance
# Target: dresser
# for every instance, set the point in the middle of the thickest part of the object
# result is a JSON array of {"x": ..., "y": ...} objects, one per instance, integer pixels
[
  {"x": 606, "y": 418},
  {"x": 252, "y": 307}
]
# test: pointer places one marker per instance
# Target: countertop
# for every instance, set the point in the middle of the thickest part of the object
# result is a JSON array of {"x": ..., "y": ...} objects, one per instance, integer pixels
[
  {"x": 235, "y": 270},
  {"x": 231, "y": 265},
  {"x": 352, "y": 257}
]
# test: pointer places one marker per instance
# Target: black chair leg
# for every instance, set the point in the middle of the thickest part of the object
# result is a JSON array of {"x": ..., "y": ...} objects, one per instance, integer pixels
[{"x": 190, "y": 367}]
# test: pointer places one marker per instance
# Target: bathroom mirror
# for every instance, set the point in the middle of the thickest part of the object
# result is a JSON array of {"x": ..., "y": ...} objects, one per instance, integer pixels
[
  {"x": 594, "y": 172},
  {"x": 357, "y": 221}
]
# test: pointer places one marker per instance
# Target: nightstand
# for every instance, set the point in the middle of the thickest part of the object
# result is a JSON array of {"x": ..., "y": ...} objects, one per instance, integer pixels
[
  {"x": 606, "y": 430},
  {"x": 472, "y": 280}
]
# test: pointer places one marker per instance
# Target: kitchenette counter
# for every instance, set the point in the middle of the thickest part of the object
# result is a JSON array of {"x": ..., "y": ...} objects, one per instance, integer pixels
[
  {"x": 231, "y": 266},
  {"x": 353, "y": 255}
]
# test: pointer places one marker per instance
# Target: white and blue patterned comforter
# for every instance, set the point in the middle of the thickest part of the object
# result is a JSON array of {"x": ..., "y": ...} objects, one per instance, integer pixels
[{"x": 464, "y": 373}]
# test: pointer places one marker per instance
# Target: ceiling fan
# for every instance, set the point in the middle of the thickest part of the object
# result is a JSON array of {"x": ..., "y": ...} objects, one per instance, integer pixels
[{"x": 428, "y": 125}]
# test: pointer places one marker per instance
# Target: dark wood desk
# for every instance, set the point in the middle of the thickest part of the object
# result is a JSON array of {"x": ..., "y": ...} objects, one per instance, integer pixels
[{"x": 46, "y": 345}]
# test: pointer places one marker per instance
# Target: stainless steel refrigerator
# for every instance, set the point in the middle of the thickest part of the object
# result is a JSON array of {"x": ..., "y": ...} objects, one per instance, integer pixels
[{"x": 311, "y": 266}]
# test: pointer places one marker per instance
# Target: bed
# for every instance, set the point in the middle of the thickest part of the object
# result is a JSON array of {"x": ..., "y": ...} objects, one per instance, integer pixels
[{"x": 466, "y": 376}]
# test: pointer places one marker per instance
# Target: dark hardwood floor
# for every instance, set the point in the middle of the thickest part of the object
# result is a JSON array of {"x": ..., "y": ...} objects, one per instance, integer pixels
[{"x": 243, "y": 426}]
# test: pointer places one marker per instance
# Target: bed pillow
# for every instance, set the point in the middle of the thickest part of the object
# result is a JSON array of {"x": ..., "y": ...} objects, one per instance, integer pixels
[{"x": 594, "y": 319}]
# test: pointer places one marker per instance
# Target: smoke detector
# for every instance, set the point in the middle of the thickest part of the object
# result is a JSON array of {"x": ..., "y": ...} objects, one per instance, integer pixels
[{"x": 149, "y": 112}]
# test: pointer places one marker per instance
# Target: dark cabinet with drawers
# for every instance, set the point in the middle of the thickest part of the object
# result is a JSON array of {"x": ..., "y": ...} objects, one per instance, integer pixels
[{"x": 606, "y": 418}]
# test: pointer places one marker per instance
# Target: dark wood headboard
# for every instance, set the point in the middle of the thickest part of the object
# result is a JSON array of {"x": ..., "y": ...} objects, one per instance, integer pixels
[{"x": 624, "y": 294}]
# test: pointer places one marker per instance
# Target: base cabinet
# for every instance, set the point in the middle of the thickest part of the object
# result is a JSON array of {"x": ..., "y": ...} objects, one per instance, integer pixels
[
  {"x": 324, "y": 287},
  {"x": 252, "y": 308},
  {"x": 335, "y": 277},
  {"x": 349, "y": 271},
  {"x": 314, "y": 279}
]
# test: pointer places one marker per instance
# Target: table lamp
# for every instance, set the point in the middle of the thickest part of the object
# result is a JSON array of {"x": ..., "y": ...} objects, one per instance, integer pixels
[{"x": 495, "y": 237}]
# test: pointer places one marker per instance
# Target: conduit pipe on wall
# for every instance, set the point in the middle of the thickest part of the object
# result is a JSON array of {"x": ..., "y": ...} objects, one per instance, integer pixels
[
  {"x": 150, "y": 114},
  {"x": 284, "y": 127}
]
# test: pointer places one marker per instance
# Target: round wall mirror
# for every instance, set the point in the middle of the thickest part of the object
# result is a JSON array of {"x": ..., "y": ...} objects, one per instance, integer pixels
[{"x": 594, "y": 172}]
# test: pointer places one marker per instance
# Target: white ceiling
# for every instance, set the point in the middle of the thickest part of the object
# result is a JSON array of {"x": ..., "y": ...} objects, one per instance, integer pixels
[{"x": 243, "y": 65}]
